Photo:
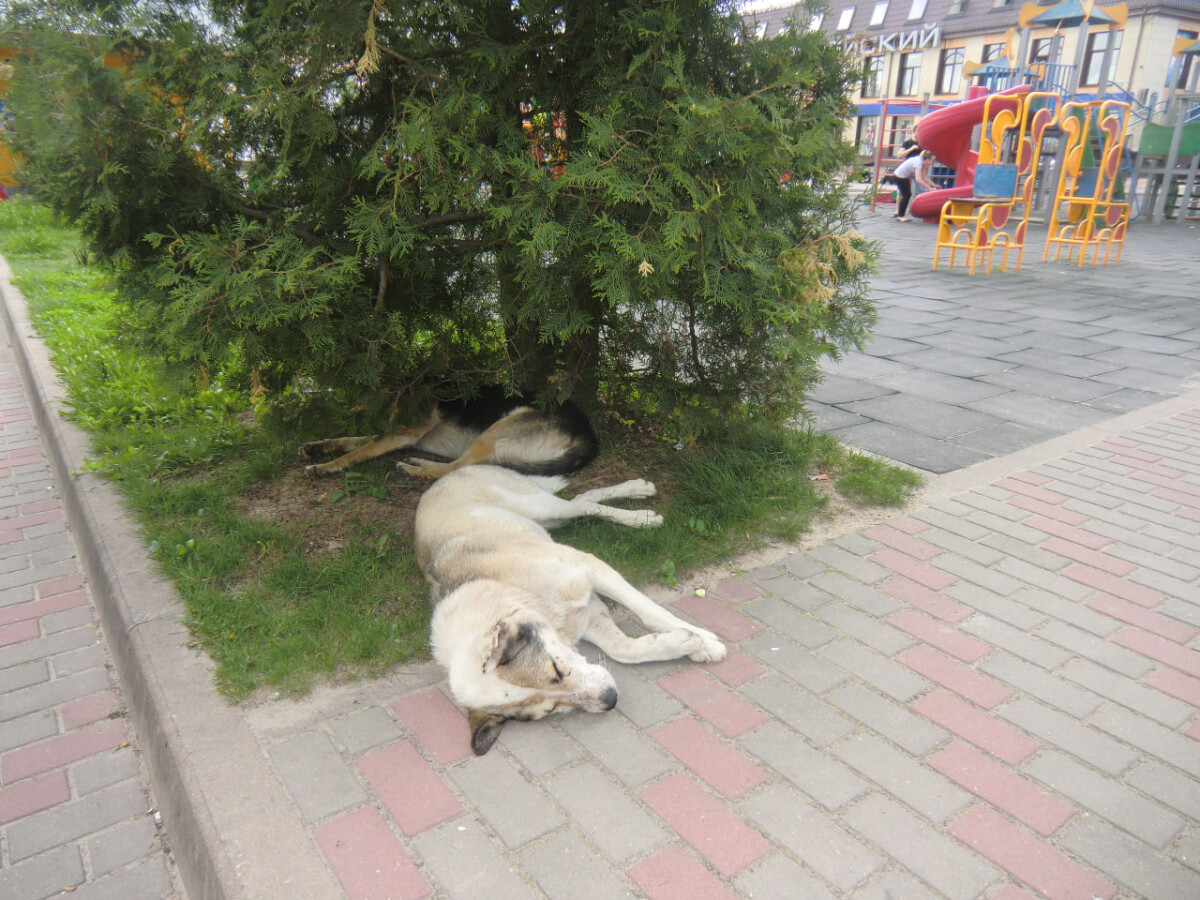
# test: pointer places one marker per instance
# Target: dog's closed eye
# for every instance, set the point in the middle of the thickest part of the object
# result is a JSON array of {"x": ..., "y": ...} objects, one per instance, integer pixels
[{"x": 559, "y": 675}]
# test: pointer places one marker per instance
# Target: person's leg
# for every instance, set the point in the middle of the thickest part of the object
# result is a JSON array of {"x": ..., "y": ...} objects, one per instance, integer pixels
[{"x": 905, "y": 187}]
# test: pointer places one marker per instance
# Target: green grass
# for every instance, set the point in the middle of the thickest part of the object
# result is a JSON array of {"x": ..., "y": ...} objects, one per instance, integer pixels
[{"x": 274, "y": 613}]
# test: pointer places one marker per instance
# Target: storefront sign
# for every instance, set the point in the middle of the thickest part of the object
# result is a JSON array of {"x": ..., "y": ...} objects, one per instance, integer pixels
[{"x": 903, "y": 41}]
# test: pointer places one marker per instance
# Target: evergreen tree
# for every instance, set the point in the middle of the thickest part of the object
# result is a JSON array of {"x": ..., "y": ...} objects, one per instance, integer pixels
[{"x": 630, "y": 202}]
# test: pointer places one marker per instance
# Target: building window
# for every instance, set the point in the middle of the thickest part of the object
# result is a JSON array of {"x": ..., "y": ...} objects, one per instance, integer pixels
[
  {"x": 993, "y": 52},
  {"x": 1000, "y": 4},
  {"x": 868, "y": 132},
  {"x": 1183, "y": 62},
  {"x": 1039, "y": 50},
  {"x": 879, "y": 12},
  {"x": 1093, "y": 57},
  {"x": 950, "y": 66},
  {"x": 957, "y": 7},
  {"x": 917, "y": 10},
  {"x": 872, "y": 85},
  {"x": 814, "y": 24},
  {"x": 909, "y": 75},
  {"x": 846, "y": 18}
]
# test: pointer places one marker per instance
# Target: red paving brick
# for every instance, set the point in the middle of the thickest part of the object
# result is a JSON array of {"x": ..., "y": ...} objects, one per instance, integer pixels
[
  {"x": 712, "y": 701},
  {"x": 939, "y": 635},
  {"x": 1143, "y": 464},
  {"x": 35, "y": 609},
  {"x": 1132, "y": 614},
  {"x": 368, "y": 859},
  {"x": 1028, "y": 858},
  {"x": 736, "y": 668},
  {"x": 18, "y": 632},
  {"x": 1067, "y": 532},
  {"x": 976, "y": 727},
  {"x": 437, "y": 724},
  {"x": 671, "y": 874},
  {"x": 908, "y": 524},
  {"x": 735, "y": 590},
  {"x": 59, "y": 585},
  {"x": 949, "y": 673},
  {"x": 1047, "y": 510},
  {"x": 1027, "y": 488},
  {"x": 713, "y": 614},
  {"x": 1095, "y": 559},
  {"x": 33, "y": 796},
  {"x": 721, "y": 837},
  {"x": 61, "y": 750},
  {"x": 923, "y": 598},
  {"x": 1160, "y": 649},
  {"x": 89, "y": 709},
  {"x": 1168, "y": 482},
  {"x": 901, "y": 542},
  {"x": 1177, "y": 685},
  {"x": 412, "y": 792},
  {"x": 913, "y": 569},
  {"x": 717, "y": 764},
  {"x": 1004, "y": 788},
  {"x": 1107, "y": 583}
]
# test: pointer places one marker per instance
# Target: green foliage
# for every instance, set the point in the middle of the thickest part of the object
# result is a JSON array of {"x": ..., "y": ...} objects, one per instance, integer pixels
[{"x": 343, "y": 195}]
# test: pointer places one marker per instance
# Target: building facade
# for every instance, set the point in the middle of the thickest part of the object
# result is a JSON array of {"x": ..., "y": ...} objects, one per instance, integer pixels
[{"x": 922, "y": 53}]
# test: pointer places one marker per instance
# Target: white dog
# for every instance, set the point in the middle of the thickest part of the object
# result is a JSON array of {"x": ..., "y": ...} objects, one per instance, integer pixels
[{"x": 511, "y": 603}]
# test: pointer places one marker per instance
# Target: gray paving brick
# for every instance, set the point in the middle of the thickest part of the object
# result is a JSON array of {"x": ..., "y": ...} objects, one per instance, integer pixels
[
  {"x": 46, "y": 646},
  {"x": 1147, "y": 701},
  {"x": 1017, "y": 641},
  {"x": 884, "y": 638},
  {"x": 1144, "y": 819},
  {"x": 318, "y": 778},
  {"x": 517, "y": 811},
  {"x": 619, "y": 827},
  {"x": 990, "y": 509},
  {"x": 1044, "y": 579},
  {"x": 796, "y": 624},
  {"x": 780, "y": 878},
  {"x": 793, "y": 590},
  {"x": 70, "y": 821},
  {"x": 49, "y": 694},
  {"x": 915, "y": 734},
  {"x": 974, "y": 551},
  {"x": 857, "y": 544},
  {"x": 633, "y": 757},
  {"x": 955, "y": 524},
  {"x": 1072, "y": 612},
  {"x": 539, "y": 750},
  {"x": 81, "y": 660},
  {"x": 1159, "y": 742},
  {"x": 365, "y": 730},
  {"x": 1012, "y": 547},
  {"x": 443, "y": 851},
  {"x": 122, "y": 845},
  {"x": 1032, "y": 680},
  {"x": 983, "y": 576},
  {"x": 1166, "y": 584},
  {"x": 44, "y": 876},
  {"x": 1156, "y": 560},
  {"x": 68, "y": 619},
  {"x": 893, "y": 885},
  {"x": 825, "y": 780},
  {"x": 819, "y": 722},
  {"x": 96, "y": 772},
  {"x": 802, "y": 565},
  {"x": 1090, "y": 647},
  {"x": 149, "y": 880},
  {"x": 1187, "y": 850},
  {"x": 933, "y": 857},
  {"x": 795, "y": 662},
  {"x": 928, "y": 792},
  {"x": 858, "y": 595},
  {"x": 1128, "y": 861},
  {"x": 1066, "y": 733},
  {"x": 22, "y": 676},
  {"x": 792, "y": 822},
  {"x": 565, "y": 868},
  {"x": 893, "y": 679},
  {"x": 639, "y": 699},
  {"x": 1015, "y": 614},
  {"x": 1168, "y": 786},
  {"x": 861, "y": 570}
]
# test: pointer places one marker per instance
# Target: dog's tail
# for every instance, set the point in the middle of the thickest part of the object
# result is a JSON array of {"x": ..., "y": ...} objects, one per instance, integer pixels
[{"x": 581, "y": 448}]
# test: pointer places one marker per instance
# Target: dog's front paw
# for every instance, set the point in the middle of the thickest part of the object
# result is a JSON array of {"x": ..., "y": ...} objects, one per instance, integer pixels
[
  {"x": 421, "y": 468},
  {"x": 711, "y": 648},
  {"x": 319, "y": 471},
  {"x": 638, "y": 489},
  {"x": 312, "y": 450}
]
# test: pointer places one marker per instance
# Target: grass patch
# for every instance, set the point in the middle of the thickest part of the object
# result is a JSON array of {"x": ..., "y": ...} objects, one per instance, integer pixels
[{"x": 287, "y": 580}]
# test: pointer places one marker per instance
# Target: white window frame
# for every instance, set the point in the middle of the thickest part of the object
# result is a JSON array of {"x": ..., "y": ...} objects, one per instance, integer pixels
[
  {"x": 917, "y": 10},
  {"x": 846, "y": 18},
  {"x": 879, "y": 13}
]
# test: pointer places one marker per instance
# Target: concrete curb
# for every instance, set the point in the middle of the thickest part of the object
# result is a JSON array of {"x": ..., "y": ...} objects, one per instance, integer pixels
[{"x": 234, "y": 830}]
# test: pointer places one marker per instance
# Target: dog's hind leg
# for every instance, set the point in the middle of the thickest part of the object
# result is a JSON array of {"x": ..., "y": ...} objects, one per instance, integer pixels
[{"x": 621, "y": 647}]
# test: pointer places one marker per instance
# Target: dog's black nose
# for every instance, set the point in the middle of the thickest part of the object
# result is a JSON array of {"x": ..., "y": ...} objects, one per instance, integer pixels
[{"x": 609, "y": 698}]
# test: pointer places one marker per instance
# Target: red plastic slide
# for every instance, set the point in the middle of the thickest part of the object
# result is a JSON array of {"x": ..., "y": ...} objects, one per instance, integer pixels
[{"x": 947, "y": 132}]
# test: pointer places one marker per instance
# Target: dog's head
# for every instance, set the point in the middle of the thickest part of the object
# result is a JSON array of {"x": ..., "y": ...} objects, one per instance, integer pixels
[{"x": 516, "y": 667}]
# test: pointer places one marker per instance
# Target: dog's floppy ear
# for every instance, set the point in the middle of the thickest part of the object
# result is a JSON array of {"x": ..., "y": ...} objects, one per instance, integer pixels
[
  {"x": 485, "y": 728},
  {"x": 508, "y": 638}
]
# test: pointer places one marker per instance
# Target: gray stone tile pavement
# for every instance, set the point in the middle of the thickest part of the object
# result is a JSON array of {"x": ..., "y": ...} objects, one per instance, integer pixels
[{"x": 992, "y": 694}]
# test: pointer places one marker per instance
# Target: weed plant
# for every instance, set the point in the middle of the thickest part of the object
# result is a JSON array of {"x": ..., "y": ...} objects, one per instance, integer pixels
[{"x": 274, "y": 614}]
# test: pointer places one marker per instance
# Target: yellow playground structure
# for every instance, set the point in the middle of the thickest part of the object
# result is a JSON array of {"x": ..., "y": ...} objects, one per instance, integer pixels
[
  {"x": 1084, "y": 214},
  {"x": 994, "y": 220}
]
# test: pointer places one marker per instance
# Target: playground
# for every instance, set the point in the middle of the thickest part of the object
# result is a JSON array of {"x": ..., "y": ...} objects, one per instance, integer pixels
[{"x": 1028, "y": 147}]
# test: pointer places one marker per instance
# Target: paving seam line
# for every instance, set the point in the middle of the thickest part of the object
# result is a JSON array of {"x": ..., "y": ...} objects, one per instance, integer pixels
[{"x": 232, "y": 828}]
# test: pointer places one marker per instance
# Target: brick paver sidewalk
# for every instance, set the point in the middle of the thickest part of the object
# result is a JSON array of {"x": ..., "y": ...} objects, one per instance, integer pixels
[
  {"x": 995, "y": 695},
  {"x": 75, "y": 810}
]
